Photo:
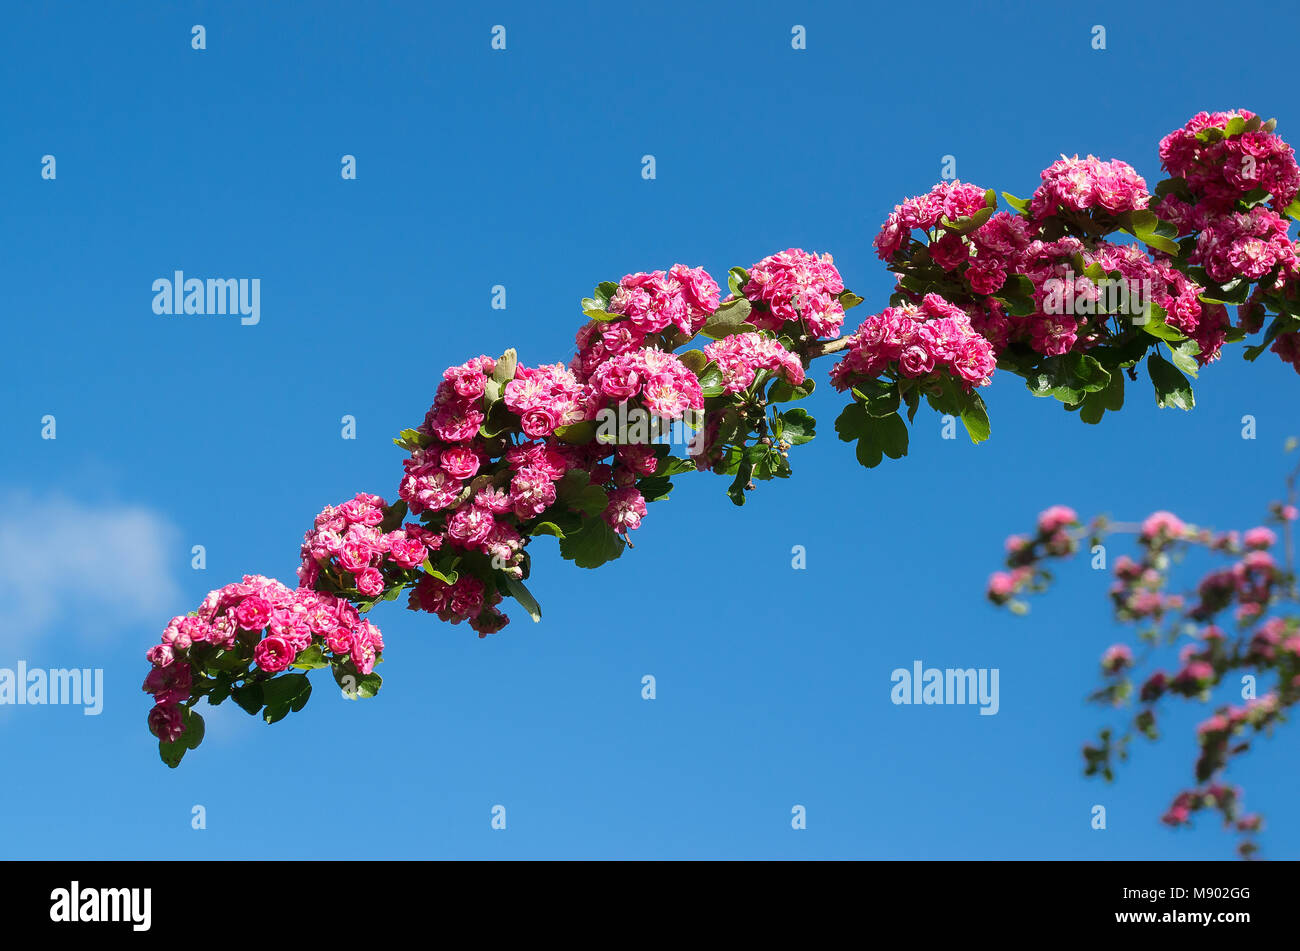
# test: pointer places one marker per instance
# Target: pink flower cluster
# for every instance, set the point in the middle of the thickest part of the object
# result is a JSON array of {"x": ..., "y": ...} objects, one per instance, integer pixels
[
  {"x": 466, "y": 599},
  {"x": 546, "y": 398},
  {"x": 1225, "y": 168},
  {"x": 1056, "y": 518},
  {"x": 474, "y": 492},
  {"x": 263, "y": 620},
  {"x": 1070, "y": 308},
  {"x": 1170, "y": 289},
  {"x": 796, "y": 285},
  {"x": 1161, "y": 527},
  {"x": 1287, "y": 346},
  {"x": 1247, "y": 244},
  {"x": 1074, "y": 184},
  {"x": 665, "y": 385},
  {"x": 1116, "y": 658},
  {"x": 457, "y": 413},
  {"x": 1272, "y": 637},
  {"x": 347, "y": 540},
  {"x": 1229, "y": 162},
  {"x": 682, "y": 298},
  {"x": 915, "y": 342},
  {"x": 626, "y": 509},
  {"x": 1053, "y": 537},
  {"x": 740, "y": 356},
  {"x": 995, "y": 249},
  {"x": 951, "y": 200}
]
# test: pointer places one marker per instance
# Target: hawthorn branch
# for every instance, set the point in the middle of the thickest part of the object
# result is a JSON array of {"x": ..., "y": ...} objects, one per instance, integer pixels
[{"x": 824, "y": 347}]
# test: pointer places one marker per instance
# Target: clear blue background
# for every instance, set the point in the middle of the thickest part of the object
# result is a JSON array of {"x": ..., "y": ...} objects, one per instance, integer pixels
[{"x": 522, "y": 168}]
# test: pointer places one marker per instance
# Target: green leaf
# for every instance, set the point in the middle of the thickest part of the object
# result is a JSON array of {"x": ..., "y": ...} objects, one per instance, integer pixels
[
  {"x": 730, "y": 318},
  {"x": 880, "y": 397},
  {"x": 597, "y": 306},
  {"x": 172, "y": 753},
  {"x": 1292, "y": 210},
  {"x": 849, "y": 300},
  {"x": 449, "y": 577},
  {"x": 711, "y": 383},
  {"x": 975, "y": 418},
  {"x": 351, "y": 680},
  {"x": 652, "y": 489},
  {"x": 284, "y": 688},
  {"x": 577, "y": 434},
  {"x": 519, "y": 591},
  {"x": 890, "y": 433},
  {"x": 1155, "y": 325},
  {"x": 1172, "y": 388},
  {"x": 592, "y": 310},
  {"x": 1017, "y": 295},
  {"x": 412, "y": 439},
  {"x": 694, "y": 360},
  {"x": 913, "y": 400},
  {"x": 498, "y": 420},
  {"x": 797, "y": 427},
  {"x": 592, "y": 545},
  {"x": 876, "y": 437},
  {"x": 393, "y": 517},
  {"x": 967, "y": 224},
  {"x": 1126, "y": 353},
  {"x": 248, "y": 696},
  {"x": 1150, "y": 230},
  {"x": 369, "y": 685},
  {"x": 869, "y": 453},
  {"x": 195, "y": 728},
  {"x": 576, "y": 491},
  {"x": 737, "y": 278},
  {"x": 851, "y": 424},
  {"x": 736, "y": 491},
  {"x": 783, "y": 392},
  {"x": 313, "y": 657},
  {"x": 671, "y": 466},
  {"x": 300, "y": 700},
  {"x": 1111, "y": 398},
  {"x": 1282, "y": 323},
  {"x": 1068, "y": 377},
  {"x": 506, "y": 365},
  {"x": 220, "y": 691},
  {"x": 1235, "y": 291},
  {"x": 772, "y": 465},
  {"x": 1088, "y": 371},
  {"x": 1019, "y": 204},
  {"x": 229, "y": 661},
  {"x": 1184, "y": 357}
]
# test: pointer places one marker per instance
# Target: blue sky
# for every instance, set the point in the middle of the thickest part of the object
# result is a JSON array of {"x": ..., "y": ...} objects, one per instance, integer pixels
[{"x": 522, "y": 168}]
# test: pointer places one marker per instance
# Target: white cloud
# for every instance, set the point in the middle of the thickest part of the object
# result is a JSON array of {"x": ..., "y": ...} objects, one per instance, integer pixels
[{"x": 73, "y": 568}]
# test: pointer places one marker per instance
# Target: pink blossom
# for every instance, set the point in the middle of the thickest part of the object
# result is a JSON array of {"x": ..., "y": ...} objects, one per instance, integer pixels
[
  {"x": 273, "y": 654},
  {"x": 1056, "y": 518}
]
